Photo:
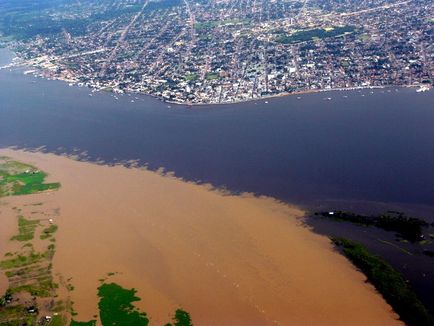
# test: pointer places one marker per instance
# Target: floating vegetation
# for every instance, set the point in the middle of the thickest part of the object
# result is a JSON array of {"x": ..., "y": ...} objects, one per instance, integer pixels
[
  {"x": 181, "y": 318},
  {"x": 115, "y": 306}
]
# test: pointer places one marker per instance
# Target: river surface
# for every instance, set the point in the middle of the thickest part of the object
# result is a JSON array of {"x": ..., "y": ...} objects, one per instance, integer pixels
[{"x": 367, "y": 150}]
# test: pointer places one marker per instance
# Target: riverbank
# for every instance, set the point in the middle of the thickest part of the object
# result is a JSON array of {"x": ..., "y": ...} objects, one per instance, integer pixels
[
  {"x": 225, "y": 259},
  {"x": 38, "y": 71}
]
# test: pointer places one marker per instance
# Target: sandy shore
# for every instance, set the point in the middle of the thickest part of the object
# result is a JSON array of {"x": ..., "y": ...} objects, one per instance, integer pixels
[{"x": 227, "y": 260}]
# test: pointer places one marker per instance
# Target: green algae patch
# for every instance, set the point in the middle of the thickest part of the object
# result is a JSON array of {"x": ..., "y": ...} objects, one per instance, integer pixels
[
  {"x": 115, "y": 306},
  {"x": 18, "y": 178}
]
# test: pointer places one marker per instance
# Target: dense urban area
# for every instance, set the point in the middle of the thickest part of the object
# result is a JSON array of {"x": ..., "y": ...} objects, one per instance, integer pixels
[{"x": 219, "y": 51}]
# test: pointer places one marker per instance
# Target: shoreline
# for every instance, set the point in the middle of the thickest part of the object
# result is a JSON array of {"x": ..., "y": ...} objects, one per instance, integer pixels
[
  {"x": 423, "y": 87},
  {"x": 176, "y": 242}
]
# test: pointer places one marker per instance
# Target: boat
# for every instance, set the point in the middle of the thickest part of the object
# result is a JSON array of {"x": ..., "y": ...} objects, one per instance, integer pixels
[{"x": 422, "y": 89}]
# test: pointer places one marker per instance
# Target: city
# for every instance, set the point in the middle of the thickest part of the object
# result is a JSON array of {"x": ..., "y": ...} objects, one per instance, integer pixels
[{"x": 229, "y": 51}]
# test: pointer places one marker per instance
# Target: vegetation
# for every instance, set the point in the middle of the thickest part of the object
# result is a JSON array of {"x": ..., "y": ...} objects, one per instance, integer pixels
[
  {"x": 311, "y": 34},
  {"x": 212, "y": 75},
  {"x": 181, "y": 318},
  {"x": 29, "y": 272},
  {"x": 191, "y": 77},
  {"x": 115, "y": 306},
  {"x": 48, "y": 232},
  {"x": 26, "y": 229},
  {"x": 163, "y": 4},
  {"x": 388, "y": 282},
  {"x": 21, "y": 260},
  {"x": 58, "y": 320},
  {"x": 202, "y": 26},
  {"x": 22, "y": 179},
  {"x": 409, "y": 228},
  {"x": 16, "y": 315},
  {"x": 208, "y": 25},
  {"x": 42, "y": 288},
  {"x": 82, "y": 323}
]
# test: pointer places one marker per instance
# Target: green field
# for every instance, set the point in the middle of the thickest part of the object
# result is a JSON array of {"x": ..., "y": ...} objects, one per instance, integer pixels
[
  {"x": 17, "y": 178},
  {"x": 208, "y": 25},
  {"x": 26, "y": 229},
  {"x": 313, "y": 34},
  {"x": 191, "y": 77},
  {"x": 212, "y": 76}
]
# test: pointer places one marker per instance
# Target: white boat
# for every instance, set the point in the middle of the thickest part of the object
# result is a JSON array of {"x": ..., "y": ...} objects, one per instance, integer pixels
[{"x": 423, "y": 89}]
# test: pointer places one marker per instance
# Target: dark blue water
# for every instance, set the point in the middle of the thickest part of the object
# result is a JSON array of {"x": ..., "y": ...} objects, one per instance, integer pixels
[{"x": 367, "y": 147}]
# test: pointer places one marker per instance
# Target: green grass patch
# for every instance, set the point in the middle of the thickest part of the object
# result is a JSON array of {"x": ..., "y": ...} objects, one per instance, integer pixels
[
  {"x": 17, "y": 178},
  {"x": 26, "y": 229},
  {"x": 42, "y": 288},
  {"x": 115, "y": 306},
  {"x": 191, "y": 77},
  {"x": 312, "y": 34},
  {"x": 16, "y": 315},
  {"x": 58, "y": 320},
  {"x": 390, "y": 283},
  {"x": 212, "y": 76},
  {"x": 206, "y": 25},
  {"x": 22, "y": 260},
  {"x": 48, "y": 232}
]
